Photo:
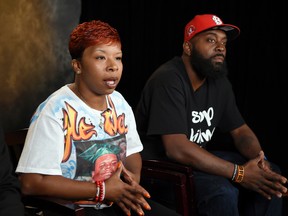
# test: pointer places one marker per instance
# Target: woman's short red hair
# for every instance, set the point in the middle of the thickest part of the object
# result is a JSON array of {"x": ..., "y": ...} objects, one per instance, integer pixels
[{"x": 89, "y": 34}]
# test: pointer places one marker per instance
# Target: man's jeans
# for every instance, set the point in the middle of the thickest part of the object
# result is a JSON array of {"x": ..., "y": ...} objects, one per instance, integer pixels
[{"x": 219, "y": 196}]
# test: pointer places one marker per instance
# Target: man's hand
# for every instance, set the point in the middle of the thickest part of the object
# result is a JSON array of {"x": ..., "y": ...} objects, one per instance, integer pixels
[{"x": 260, "y": 178}]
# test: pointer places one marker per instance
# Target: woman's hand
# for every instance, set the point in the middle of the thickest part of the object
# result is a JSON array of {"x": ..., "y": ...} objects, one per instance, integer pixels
[{"x": 126, "y": 193}]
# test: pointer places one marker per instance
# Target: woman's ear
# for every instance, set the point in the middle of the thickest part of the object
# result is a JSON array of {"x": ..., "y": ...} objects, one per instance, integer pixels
[{"x": 76, "y": 66}]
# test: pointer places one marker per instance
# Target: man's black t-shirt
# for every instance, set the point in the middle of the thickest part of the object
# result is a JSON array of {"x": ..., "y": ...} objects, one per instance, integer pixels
[{"x": 168, "y": 105}]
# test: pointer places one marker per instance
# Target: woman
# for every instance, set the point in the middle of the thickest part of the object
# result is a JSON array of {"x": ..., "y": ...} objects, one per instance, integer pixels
[{"x": 82, "y": 117}]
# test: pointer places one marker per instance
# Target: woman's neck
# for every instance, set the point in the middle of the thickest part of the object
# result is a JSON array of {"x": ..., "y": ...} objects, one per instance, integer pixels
[{"x": 97, "y": 102}]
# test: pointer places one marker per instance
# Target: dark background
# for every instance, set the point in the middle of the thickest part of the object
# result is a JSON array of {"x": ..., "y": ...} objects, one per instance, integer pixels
[
  {"x": 152, "y": 33},
  {"x": 35, "y": 61}
]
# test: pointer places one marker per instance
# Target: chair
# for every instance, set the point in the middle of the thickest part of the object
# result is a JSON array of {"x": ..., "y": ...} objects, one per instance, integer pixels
[
  {"x": 49, "y": 206},
  {"x": 156, "y": 172}
]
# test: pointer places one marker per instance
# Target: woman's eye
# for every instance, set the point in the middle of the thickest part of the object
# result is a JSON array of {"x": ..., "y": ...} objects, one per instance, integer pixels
[{"x": 100, "y": 57}]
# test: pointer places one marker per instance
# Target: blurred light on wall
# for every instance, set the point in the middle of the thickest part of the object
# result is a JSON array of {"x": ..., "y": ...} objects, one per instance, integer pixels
[{"x": 34, "y": 58}]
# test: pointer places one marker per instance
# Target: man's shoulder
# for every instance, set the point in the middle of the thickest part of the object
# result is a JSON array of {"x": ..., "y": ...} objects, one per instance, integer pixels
[
  {"x": 171, "y": 68},
  {"x": 172, "y": 63}
]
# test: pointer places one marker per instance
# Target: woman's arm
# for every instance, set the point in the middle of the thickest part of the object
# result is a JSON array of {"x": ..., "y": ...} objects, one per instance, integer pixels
[{"x": 133, "y": 164}]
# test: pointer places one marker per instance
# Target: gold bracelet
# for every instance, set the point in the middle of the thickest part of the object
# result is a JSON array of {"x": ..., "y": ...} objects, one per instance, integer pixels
[{"x": 240, "y": 174}]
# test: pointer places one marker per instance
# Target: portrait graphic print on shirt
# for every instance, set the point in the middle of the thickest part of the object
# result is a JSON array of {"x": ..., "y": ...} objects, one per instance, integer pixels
[
  {"x": 98, "y": 160},
  {"x": 92, "y": 151}
]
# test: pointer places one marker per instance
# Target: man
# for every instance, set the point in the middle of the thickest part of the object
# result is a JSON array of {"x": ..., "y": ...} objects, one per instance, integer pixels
[{"x": 184, "y": 102}]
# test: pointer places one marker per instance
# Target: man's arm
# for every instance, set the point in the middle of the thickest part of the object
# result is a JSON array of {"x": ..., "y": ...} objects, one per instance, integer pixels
[
  {"x": 182, "y": 150},
  {"x": 246, "y": 141}
]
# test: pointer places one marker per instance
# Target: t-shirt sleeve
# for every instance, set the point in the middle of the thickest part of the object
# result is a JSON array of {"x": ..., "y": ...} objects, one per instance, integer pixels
[
  {"x": 231, "y": 117},
  {"x": 134, "y": 144},
  {"x": 167, "y": 114},
  {"x": 44, "y": 147},
  {"x": 133, "y": 140}
]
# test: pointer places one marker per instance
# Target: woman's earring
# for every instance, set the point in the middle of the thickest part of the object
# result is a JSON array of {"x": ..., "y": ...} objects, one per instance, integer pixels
[{"x": 78, "y": 72}]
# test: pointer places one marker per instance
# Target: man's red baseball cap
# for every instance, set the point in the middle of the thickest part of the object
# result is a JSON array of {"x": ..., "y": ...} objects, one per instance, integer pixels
[{"x": 204, "y": 22}]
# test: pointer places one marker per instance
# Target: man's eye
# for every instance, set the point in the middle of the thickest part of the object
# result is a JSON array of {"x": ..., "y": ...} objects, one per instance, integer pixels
[{"x": 211, "y": 40}]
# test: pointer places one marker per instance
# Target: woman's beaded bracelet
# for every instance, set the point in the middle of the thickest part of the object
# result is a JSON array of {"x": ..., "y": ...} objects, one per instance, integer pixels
[{"x": 100, "y": 191}]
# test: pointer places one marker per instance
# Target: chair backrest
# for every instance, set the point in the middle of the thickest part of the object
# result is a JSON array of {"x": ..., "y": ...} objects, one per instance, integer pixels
[
  {"x": 15, "y": 141},
  {"x": 35, "y": 205},
  {"x": 157, "y": 172}
]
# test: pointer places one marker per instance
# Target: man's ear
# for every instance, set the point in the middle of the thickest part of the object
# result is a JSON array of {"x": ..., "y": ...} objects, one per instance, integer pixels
[{"x": 187, "y": 48}]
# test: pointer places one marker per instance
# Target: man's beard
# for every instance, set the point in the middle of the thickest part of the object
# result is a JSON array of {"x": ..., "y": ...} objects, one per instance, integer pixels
[{"x": 205, "y": 68}]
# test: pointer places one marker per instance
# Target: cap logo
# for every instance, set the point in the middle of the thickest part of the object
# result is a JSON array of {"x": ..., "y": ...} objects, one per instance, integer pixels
[
  {"x": 217, "y": 20},
  {"x": 190, "y": 30}
]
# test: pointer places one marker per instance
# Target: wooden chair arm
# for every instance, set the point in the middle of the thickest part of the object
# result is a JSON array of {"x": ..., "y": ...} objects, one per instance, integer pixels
[
  {"x": 53, "y": 205},
  {"x": 151, "y": 177},
  {"x": 178, "y": 174},
  {"x": 161, "y": 164}
]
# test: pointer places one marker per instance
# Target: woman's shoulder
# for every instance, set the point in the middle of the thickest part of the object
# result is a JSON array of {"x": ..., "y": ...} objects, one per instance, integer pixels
[
  {"x": 118, "y": 100},
  {"x": 55, "y": 99}
]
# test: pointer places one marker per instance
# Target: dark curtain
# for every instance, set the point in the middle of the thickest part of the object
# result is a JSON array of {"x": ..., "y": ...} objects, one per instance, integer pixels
[{"x": 152, "y": 32}]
